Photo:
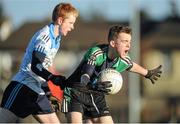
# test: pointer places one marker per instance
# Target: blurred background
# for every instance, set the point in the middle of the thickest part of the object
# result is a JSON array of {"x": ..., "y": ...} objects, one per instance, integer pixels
[{"x": 156, "y": 40}]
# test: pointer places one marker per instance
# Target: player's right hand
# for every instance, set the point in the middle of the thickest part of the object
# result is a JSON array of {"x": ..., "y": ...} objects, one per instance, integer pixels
[
  {"x": 101, "y": 86},
  {"x": 58, "y": 80}
]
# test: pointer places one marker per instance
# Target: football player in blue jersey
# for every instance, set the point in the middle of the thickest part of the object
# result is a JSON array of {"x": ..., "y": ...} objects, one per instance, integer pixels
[{"x": 24, "y": 95}]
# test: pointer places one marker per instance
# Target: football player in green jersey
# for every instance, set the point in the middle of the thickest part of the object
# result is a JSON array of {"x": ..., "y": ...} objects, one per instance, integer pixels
[{"x": 86, "y": 98}]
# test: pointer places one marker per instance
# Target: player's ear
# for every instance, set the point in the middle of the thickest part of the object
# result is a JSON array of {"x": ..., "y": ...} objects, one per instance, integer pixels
[
  {"x": 112, "y": 43},
  {"x": 60, "y": 20}
]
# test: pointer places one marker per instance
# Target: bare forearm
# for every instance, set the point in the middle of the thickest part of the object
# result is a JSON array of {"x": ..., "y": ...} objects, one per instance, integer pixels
[{"x": 139, "y": 69}]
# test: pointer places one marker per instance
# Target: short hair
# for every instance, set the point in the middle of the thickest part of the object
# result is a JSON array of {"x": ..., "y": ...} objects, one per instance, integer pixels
[
  {"x": 64, "y": 10},
  {"x": 115, "y": 30}
]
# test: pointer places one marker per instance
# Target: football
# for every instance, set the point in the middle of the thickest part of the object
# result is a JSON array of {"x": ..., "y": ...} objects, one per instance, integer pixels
[{"x": 114, "y": 76}]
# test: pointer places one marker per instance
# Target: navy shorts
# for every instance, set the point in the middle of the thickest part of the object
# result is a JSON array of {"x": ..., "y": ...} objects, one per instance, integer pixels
[
  {"x": 23, "y": 101},
  {"x": 91, "y": 105}
]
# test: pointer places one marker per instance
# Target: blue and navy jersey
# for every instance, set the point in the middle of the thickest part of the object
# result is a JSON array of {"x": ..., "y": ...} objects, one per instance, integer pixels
[{"x": 44, "y": 41}]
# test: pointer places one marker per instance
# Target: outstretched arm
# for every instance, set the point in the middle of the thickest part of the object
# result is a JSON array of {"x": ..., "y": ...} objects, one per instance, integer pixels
[
  {"x": 139, "y": 69},
  {"x": 153, "y": 74}
]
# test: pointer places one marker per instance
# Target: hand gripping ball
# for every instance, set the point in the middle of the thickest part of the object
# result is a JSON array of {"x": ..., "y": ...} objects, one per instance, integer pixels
[{"x": 114, "y": 77}]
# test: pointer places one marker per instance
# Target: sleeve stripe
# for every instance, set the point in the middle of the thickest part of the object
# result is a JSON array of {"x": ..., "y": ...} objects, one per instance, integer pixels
[
  {"x": 92, "y": 59},
  {"x": 40, "y": 49},
  {"x": 128, "y": 62},
  {"x": 45, "y": 38}
]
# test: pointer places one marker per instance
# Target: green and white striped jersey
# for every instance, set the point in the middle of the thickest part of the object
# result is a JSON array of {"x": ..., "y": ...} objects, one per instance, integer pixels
[{"x": 95, "y": 60}]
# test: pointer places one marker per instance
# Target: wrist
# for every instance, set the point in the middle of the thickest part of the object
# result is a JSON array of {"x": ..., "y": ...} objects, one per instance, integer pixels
[
  {"x": 148, "y": 74},
  {"x": 85, "y": 79}
]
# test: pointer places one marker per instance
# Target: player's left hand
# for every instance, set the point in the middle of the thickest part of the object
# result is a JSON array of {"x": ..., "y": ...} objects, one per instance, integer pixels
[
  {"x": 154, "y": 74},
  {"x": 55, "y": 103}
]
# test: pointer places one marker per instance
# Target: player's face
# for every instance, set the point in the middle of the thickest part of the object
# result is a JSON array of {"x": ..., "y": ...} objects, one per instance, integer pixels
[
  {"x": 123, "y": 44},
  {"x": 67, "y": 24}
]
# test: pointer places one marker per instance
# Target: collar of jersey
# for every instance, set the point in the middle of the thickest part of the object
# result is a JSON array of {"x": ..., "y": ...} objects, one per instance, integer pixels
[{"x": 52, "y": 32}]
